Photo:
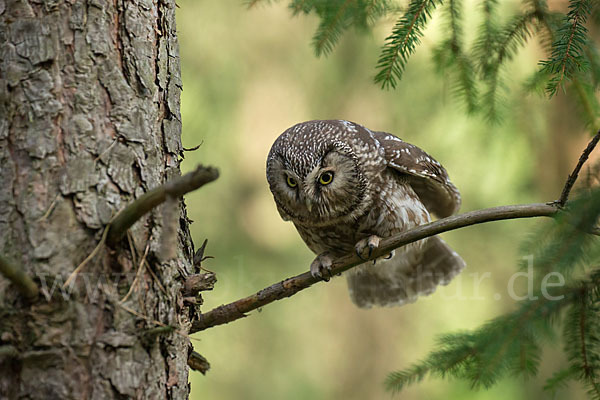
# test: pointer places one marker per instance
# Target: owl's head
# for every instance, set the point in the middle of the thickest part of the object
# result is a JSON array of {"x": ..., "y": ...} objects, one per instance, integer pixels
[{"x": 315, "y": 177}]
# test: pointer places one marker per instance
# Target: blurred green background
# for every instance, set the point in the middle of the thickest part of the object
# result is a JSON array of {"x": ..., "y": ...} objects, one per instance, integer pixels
[{"x": 250, "y": 74}]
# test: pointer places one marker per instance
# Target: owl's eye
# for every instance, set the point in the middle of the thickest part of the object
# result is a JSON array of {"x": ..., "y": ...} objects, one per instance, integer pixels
[
  {"x": 326, "y": 178},
  {"x": 291, "y": 182}
]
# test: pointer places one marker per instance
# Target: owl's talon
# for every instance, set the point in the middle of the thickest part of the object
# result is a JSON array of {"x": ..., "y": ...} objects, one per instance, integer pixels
[
  {"x": 389, "y": 256},
  {"x": 371, "y": 243},
  {"x": 358, "y": 253},
  {"x": 320, "y": 265}
]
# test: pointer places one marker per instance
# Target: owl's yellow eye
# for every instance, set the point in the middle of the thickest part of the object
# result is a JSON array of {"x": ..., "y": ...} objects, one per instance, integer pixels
[
  {"x": 326, "y": 178},
  {"x": 291, "y": 182}
]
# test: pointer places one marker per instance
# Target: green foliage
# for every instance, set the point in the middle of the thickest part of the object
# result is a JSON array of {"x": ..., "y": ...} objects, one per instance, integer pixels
[
  {"x": 572, "y": 55},
  {"x": 449, "y": 56},
  {"x": 582, "y": 339},
  {"x": 506, "y": 345},
  {"x": 509, "y": 39},
  {"x": 512, "y": 344},
  {"x": 336, "y": 16},
  {"x": 563, "y": 245},
  {"x": 568, "y": 49},
  {"x": 401, "y": 44}
]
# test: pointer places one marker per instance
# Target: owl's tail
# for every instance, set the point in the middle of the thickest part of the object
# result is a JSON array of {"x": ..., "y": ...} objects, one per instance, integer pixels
[{"x": 406, "y": 276}]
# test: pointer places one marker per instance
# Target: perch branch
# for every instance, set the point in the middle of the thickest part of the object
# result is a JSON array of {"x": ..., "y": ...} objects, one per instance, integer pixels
[
  {"x": 238, "y": 309},
  {"x": 19, "y": 278},
  {"x": 175, "y": 188},
  {"x": 573, "y": 177}
]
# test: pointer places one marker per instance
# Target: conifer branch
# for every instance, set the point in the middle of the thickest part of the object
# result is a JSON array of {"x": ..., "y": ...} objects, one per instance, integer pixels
[
  {"x": 567, "y": 53},
  {"x": 512, "y": 37},
  {"x": 568, "y": 43},
  {"x": 374, "y": 9},
  {"x": 559, "y": 379},
  {"x": 580, "y": 332},
  {"x": 450, "y": 54},
  {"x": 587, "y": 371},
  {"x": 402, "y": 42},
  {"x": 486, "y": 36},
  {"x": 585, "y": 91},
  {"x": 586, "y": 95},
  {"x": 252, "y": 3},
  {"x": 588, "y": 332},
  {"x": 481, "y": 356},
  {"x": 330, "y": 29},
  {"x": 298, "y": 6}
]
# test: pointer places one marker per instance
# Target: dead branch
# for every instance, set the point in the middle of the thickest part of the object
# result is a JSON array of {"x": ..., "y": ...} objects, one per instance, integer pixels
[
  {"x": 175, "y": 188},
  {"x": 573, "y": 177}
]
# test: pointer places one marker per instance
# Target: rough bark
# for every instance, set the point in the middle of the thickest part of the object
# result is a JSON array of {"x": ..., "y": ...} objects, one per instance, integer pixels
[{"x": 89, "y": 121}]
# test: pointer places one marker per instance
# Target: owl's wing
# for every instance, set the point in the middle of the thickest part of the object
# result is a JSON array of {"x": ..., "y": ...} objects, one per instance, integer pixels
[{"x": 426, "y": 176}]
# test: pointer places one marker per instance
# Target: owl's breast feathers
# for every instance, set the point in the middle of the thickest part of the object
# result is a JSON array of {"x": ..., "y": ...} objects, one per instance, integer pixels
[{"x": 392, "y": 208}]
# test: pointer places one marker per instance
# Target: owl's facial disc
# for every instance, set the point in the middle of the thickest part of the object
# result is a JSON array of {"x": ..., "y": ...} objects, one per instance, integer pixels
[
  {"x": 319, "y": 194},
  {"x": 331, "y": 190}
]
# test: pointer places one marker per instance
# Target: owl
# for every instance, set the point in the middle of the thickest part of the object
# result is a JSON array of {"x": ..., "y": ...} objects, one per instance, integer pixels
[{"x": 344, "y": 187}]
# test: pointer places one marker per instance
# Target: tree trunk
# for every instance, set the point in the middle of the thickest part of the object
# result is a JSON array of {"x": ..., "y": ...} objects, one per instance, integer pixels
[{"x": 89, "y": 121}]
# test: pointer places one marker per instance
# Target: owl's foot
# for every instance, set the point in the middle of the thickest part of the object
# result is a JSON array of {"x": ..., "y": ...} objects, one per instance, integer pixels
[
  {"x": 321, "y": 267},
  {"x": 367, "y": 245}
]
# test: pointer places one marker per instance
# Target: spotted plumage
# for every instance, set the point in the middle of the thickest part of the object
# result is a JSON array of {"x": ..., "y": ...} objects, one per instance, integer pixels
[{"x": 344, "y": 187}]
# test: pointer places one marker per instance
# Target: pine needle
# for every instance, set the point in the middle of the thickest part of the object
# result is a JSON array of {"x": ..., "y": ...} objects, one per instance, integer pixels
[
  {"x": 402, "y": 42},
  {"x": 450, "y": 56},
  {"x": 568, "y": 51}
]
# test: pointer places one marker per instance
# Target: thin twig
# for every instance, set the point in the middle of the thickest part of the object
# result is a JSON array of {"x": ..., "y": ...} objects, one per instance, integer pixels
[
  {"x": 170, "y": 223},
  {"x": 162, "y": 289},
  {"x": 88, "y": 258},
  {"x": 50, "y": 209},
  {"x": 132, "y": 247},
  {"x": 106, "y": 150},
  {"x": 159, "y": 330},
  {"x": 142, "y": 316},
  {"x": 138, "y": 274},
  {"x": 153, "y": 321},
  {"x": 20, "y": 279},
  {"x": 193, "y": 148},
  {"x": 238, "y": 309},
  {"x": 175, "y": 188},
  {"x": 573, "y": 177}
]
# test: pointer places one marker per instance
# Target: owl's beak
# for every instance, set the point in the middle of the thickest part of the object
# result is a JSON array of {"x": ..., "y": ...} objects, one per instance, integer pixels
[{"x": 308, "y": 203}]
